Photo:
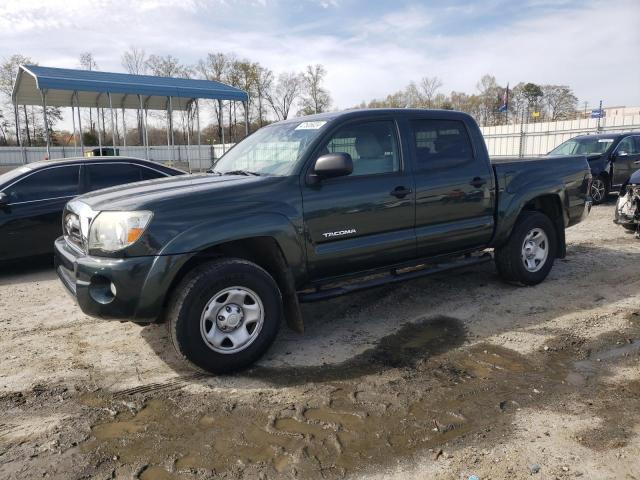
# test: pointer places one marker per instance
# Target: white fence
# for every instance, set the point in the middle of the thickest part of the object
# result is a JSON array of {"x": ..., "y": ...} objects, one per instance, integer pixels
[
  {"x": 539, "y": 138},
  {"x": 503, "y": 140},
  {"x": 198, "y": 158}
]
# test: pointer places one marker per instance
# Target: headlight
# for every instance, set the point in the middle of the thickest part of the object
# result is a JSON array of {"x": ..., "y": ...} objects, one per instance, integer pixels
[{"x": 112, "y": 231}]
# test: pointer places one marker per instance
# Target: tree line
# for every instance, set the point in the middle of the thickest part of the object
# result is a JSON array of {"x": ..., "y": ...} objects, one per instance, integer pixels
[
  {"x": 271, "y": 97},
  {"x": 523, "y": 102}
]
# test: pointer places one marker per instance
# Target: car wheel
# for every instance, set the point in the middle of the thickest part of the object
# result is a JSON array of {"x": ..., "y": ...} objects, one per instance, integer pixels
[
  {"x": 528, "y": 255},
  {"x": 599, "y": 190},
  {"x": 224, "y": 315}
]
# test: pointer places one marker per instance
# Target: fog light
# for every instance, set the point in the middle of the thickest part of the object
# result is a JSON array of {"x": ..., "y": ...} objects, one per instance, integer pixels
[{"x": 102, "y": 290}]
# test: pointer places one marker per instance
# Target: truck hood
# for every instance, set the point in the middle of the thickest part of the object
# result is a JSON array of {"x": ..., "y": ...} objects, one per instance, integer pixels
[{"x": 148, "y": 194}]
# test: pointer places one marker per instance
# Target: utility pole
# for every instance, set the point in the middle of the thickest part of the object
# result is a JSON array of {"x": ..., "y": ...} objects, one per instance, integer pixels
[{"x": 599, "y": 116}]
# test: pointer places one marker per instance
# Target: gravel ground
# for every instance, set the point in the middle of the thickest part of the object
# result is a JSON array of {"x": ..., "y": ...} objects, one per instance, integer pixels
[{"x": 442, "y": 377}]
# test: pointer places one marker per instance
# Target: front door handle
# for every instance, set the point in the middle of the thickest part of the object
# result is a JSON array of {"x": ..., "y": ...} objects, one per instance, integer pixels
[
  {"x": 477, "y": 182},
  {"x": 400, "y": 192}
]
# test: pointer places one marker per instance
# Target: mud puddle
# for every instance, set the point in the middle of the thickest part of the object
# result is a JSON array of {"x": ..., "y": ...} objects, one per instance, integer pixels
[{"x": 353, "y": 417}]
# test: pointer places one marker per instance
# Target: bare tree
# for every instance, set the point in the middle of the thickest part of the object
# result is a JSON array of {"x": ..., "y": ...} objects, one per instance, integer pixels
[
  {"x": 264, "y": 83},
  {"x": 213, "y": 68},
  {"x": 284, "y": 94},
  {"x": 429, "y": 87},
  {"x": 134, "y": 61},
  {"x": 560, "y": 101},
  {"x": 316, "y": 98},
  {"x": 87, "y": 62},
  {"x": 167, "y": 66},
  {"x": 8, "y": 74}
]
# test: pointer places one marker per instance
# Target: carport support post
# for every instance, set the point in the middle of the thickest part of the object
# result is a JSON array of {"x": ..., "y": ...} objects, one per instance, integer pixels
[
  {"x": 98, "y": 121},
  {"x": 73, "y": 121},
  {"x": 168, "y": 126},
  {"x": 79, "y": 123},
  {"x": 221, "y": 125},
  {"x": 23, "y": 152},
  {"x": 124, "y": 127},
  {"x": 246, "y": 118},
  {"x": 189, "y": 134},
  {"x": 173, "y": 140},
  {"x": 198, "y": 125},
  {"x": 143, "y": 127},
  {"x": 43, "y": 94},
  {"x": 113, "y": 128}
]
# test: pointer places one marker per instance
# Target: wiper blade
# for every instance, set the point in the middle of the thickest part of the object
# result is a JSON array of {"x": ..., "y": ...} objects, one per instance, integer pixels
[{"x": 241, "y": 172}]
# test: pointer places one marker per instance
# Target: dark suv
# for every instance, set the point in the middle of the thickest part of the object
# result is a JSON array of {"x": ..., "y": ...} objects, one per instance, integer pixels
[{"x": 612, "y": 158}]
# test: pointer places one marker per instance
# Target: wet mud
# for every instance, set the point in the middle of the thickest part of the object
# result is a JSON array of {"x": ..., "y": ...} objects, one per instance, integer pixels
[{"x": 418, "y": 390}]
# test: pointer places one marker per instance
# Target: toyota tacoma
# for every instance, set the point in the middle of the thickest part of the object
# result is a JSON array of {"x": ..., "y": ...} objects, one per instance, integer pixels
[{"x": 308, "y": 209}]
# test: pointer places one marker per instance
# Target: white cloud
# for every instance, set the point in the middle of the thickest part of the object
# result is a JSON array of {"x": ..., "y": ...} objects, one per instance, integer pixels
[{"x": 591, "y": 48}]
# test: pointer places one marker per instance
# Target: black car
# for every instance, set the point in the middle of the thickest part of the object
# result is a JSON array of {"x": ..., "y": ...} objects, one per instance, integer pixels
[
  {"x": 33, "y": 196},
  {"x": 628, "y": 207},
  {"x": 611, "y": 157}
]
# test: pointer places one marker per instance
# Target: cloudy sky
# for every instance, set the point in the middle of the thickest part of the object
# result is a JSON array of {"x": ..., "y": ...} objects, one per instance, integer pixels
[{"x": 370, "y": 48}]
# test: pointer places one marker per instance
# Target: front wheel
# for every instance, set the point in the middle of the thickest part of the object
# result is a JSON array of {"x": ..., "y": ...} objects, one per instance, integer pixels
[
  {"x": 224, "y": 315},
  {"x": 599, "y": 190},
  {"x": 528, "y": 255}
]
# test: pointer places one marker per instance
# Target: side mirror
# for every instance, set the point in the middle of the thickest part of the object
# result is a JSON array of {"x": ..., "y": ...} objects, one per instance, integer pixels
[
  {"x": 332, "y": 165},
  {"x": 4, "y": 200}
]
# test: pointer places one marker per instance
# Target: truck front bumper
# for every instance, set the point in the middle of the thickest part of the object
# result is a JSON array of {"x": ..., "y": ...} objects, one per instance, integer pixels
[{"x": 114, "y": 288}]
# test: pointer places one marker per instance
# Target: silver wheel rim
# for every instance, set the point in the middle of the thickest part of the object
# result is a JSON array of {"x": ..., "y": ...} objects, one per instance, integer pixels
[
  {"x": 535, "y": 250},
  {"x": 231, "y": 320},
  {"x": 597, "y": 190}
]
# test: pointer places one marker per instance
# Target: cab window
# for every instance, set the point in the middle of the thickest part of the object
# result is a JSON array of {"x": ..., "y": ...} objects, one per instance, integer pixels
[
  {"x": 440, "y": 143},
  {"x": 372, "y": 146},
  {"x": 50, "y": 183}
]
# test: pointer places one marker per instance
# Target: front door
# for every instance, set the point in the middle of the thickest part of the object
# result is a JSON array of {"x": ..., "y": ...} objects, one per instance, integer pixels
[
  {"x": 454, "y": 188},
  {"x": 32, "y": 220},
  {"x": 626, "y": 155},
  {"x": 363, "y": 220}
]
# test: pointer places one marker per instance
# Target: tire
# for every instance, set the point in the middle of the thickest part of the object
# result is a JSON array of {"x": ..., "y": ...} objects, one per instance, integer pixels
[
  {"x": 224, "y": 315},
  {"x": 599, "y": 189},
  {"x": 630, "y": 226},
  {"x": 518, "y": 260}
]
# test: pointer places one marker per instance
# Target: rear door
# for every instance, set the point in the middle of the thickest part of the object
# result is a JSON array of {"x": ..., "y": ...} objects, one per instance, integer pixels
[
  {"x": 363, "y": 220},
  {"x": 626, "y": 154},
  {"x": 454, "y": 188},
  {"x": 32, "y": 221}
]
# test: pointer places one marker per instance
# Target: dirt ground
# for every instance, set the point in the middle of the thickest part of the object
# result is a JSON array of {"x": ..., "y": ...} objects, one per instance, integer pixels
[{"x": 438, "y": 378}]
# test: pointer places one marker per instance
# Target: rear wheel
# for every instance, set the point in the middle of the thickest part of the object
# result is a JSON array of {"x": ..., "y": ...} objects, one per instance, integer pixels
[
  {"x": 224, "y": 315},
  {"x": 528, "y": 255},
  {"x": 599, "y": 189}
]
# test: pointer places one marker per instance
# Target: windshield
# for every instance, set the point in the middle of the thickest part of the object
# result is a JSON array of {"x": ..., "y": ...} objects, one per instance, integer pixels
[
  {"x": 6, "y": 178},
  {"x": 582, "y": 146},
  {"x": 272, "y": 150}
]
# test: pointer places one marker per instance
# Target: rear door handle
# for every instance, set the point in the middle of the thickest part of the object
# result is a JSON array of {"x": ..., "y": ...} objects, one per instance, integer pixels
[
  {"x": 477, "y": 182},
  {"x": 400, "y": 192}
]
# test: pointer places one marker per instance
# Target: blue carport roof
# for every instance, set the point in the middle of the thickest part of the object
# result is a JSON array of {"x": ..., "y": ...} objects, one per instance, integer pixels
[{"x": 93, "y": 86}]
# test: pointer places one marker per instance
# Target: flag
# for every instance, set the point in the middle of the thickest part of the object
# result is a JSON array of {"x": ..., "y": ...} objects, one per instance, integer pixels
[{"x": 505, "y": 100}]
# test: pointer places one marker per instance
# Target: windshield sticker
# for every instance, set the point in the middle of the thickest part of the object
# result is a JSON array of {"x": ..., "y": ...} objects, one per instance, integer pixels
[
  {"x": 310, "y": 125},
  {"x": 605, "y": 140}
]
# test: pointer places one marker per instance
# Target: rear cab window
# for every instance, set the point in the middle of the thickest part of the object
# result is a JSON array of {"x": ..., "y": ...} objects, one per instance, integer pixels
[{"x": 440, "y": 144}]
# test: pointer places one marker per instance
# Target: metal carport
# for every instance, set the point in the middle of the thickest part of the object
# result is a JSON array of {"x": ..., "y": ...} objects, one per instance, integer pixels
[{"x": 63, "y": 87}]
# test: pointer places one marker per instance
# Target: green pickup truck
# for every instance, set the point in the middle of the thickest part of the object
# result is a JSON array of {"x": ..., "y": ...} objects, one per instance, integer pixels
[{"x": 307, "y": 209}]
